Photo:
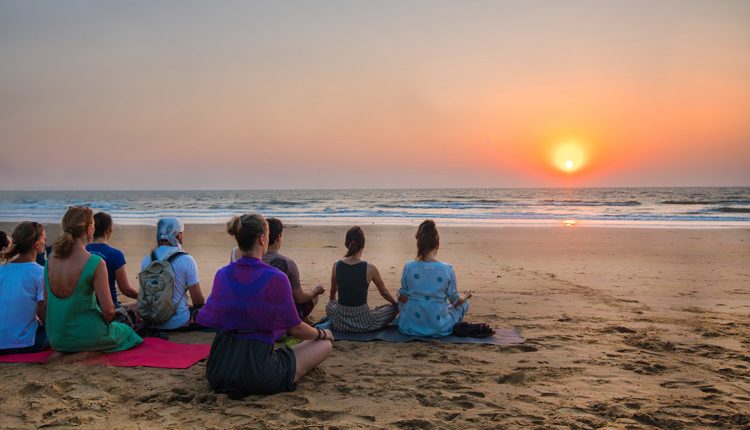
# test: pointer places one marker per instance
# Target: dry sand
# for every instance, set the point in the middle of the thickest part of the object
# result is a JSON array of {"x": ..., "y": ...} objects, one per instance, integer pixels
[{"x": 625, "y": 328}]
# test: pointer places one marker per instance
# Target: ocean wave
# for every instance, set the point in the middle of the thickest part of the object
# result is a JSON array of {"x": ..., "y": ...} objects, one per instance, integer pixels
[
  {"x": 574, "y": 202},
  {"x": 287, "y": 203},
  {"x": 728, "y": 209},
  {"x": 410, "y": 205},
  {"x": 437, "y": 204},
  {"x": 706, "y": 202}
]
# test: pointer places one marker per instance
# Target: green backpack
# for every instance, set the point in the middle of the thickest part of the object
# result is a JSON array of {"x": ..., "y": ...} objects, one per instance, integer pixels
[{"x": 157, "y": 290}]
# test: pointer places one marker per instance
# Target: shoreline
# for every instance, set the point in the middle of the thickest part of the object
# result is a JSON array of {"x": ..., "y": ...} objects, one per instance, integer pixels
[{"x": 445, "y": 223}]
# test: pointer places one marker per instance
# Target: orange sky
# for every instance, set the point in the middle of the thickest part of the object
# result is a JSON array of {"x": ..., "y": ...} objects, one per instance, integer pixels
[{"x": 382, "y": 94}]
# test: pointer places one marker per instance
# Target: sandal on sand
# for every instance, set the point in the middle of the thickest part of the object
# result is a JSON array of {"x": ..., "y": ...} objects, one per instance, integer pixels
[{"x": 465, "y": 329}]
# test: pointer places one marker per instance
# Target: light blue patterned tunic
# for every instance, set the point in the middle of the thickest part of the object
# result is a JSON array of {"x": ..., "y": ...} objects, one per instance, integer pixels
[{"x": 431, "y": 289}]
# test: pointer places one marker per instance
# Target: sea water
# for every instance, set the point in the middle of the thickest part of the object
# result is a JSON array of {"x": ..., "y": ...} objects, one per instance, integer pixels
[{"x": 679, "y": 207}]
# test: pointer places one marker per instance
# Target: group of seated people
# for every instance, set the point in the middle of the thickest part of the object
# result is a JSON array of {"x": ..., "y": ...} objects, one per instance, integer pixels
[{"x": 70, "y": 304}]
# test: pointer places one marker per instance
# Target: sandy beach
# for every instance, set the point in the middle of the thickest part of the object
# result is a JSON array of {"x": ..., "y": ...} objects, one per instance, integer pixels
[{"x": 625, "y": 328}]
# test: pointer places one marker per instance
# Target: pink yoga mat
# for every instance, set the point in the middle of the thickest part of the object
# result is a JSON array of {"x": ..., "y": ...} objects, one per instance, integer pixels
[
  {"x": 34, "y": 357},
  {"x": 155, "y": 352}
]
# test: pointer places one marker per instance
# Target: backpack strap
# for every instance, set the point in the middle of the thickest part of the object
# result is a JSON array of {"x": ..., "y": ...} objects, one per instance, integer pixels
[
  {"x": 169, "y": 260},
  {"x": 153, "y": 255},
  {"x": 173, "y": 256}
]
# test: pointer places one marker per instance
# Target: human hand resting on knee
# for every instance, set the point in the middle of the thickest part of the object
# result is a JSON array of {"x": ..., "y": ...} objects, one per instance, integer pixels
[
  {"x": 463, "y": 297},
  {"x": 324, "y": 334}
]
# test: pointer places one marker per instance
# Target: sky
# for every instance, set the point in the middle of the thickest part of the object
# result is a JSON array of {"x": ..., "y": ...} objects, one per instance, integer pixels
[{"x": 373, "y": 94}]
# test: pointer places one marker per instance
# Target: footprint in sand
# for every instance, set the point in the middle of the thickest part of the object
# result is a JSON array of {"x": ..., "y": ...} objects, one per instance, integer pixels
[
  {"x": 645, "y": 368},
  {"x": 515, "y": 378},
  {"x": 447, "y": 416},
  {"x": 415, "y": 424},
  {"x": 31, "y": 388},
  {"x": 317, "y": 414},
  {"x": 678, "y": 384}
]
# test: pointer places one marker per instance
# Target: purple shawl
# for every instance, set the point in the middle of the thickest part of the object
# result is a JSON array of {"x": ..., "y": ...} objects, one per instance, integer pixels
[{"x": 253, "y": 298}]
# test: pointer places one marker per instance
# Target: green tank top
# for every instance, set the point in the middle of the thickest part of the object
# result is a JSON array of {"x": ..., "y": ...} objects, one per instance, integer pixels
[{"x": 75, "y": 323}]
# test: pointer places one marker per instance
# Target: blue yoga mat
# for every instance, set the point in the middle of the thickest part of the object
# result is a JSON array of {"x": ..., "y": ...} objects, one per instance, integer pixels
[{"x": 503, "y": 336}]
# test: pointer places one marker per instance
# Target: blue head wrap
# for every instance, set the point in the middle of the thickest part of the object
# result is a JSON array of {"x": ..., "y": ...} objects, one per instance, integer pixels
[{"x": 167, "y": 229}]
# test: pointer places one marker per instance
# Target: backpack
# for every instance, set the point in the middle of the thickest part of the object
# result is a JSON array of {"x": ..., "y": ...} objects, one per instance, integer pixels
[{"x": 157, "y": 290}]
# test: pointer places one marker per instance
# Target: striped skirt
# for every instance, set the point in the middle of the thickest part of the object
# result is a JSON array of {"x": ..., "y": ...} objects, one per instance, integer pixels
[{"x": 357, "y": 319}]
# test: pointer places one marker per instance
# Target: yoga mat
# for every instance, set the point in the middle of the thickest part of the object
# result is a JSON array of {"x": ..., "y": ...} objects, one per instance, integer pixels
[
  {"x": 34, "y": 357},
  {"x": 155, "y": 352},
  {"x": 502, "y": 336}
]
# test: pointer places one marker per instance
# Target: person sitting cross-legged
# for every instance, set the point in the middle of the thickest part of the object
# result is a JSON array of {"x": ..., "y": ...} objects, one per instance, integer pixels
[
  {"x": 350, "y": 279},
  {"x": 251, "y": 307}
]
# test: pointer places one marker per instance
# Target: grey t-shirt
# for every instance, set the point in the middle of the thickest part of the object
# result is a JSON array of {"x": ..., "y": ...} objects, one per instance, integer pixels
[{"x": 292, "y": 272}]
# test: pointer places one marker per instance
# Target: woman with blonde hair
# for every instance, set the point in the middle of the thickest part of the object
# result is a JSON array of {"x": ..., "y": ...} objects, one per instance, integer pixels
[
  {"x": 429, "y": 302},
  {"x": 251, "y": 306},
  {"x": 22, "y": 292},
  {"x": 74, "y": 280}
]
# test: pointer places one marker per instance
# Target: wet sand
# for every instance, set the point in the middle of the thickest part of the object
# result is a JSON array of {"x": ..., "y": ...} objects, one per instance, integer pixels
[{"x": 625, "y": 328}]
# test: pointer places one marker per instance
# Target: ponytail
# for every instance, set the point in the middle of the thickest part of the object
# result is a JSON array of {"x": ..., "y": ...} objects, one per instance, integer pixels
[
  {"x": 24, "y": 236},
  {"x": 74, "y": 224},
  {"x": 427, "y": 238},
  {"x": 63, "y": 245},
  {"x": 355, "y": 241}
]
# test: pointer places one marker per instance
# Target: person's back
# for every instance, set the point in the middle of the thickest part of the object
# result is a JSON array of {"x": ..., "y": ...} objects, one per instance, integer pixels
[
  {"x": 350, "y": 279},
  {"x": 251, "y": 306},
  {"x": 185, "y": 271},
  {"x": 304, "y": 301},
  {"x": 352, "y": 283},
  {"x": 431, "y": 289},
  {"x": 74, "y": 280},
  {"x": 21, "y": 287},
  {"x": 429, "y": 303},
  {"x": 113, "y": 259},
  {"x": 22, "y": 292}
]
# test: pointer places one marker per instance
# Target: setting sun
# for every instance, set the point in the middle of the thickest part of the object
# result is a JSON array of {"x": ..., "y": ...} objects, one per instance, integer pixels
[{"x": 569, "y": 156}]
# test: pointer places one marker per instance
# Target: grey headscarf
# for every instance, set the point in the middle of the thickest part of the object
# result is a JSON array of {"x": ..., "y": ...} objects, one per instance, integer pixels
[{"x": 167, "y": 229}]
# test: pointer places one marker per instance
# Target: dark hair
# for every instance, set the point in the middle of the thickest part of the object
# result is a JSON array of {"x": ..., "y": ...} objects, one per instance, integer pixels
[
  {"x": 427, "y": 238},
  {"x": 24, "y": 237},
  {"x": 355, "y": 240},
  {"x": 275, "y": 227},
  {"x": 246, "y": 229},
  {"x": 102, "y": 224},
  {"x": 74, "y": 224},
  {"x": 4, "y": 242}
]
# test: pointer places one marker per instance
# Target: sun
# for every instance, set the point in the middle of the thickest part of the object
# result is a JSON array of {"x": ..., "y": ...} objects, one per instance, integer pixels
[{"x": 569, "y": 156}]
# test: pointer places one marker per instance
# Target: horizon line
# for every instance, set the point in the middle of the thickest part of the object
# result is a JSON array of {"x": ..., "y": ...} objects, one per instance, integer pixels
[{"x": 371, "y": 189}]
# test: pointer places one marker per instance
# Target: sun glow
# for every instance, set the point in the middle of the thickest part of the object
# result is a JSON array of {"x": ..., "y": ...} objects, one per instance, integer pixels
[{"x": 569, "y": 156}]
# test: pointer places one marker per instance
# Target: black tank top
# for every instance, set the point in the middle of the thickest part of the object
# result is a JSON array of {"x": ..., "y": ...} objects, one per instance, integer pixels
[{"x": 352, "y": 283}]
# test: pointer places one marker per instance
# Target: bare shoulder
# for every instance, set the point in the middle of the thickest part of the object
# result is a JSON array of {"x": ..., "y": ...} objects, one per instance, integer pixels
[{"x": 372, "y": 269}]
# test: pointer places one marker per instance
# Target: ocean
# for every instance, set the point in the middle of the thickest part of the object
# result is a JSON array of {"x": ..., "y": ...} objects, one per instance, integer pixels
[{"x": 659, "y": 207}]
